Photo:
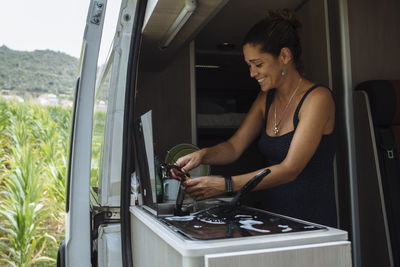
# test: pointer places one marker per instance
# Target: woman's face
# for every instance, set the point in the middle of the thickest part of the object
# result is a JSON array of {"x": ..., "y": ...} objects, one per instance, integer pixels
[{"x": 264, "y": 67}]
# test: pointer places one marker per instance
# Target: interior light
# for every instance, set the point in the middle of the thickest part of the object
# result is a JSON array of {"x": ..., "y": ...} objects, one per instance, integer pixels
[
  {"x": 207, "y": 66},
  {"x": 184, "y": 15},
  {"x": 226, "y": 46}
]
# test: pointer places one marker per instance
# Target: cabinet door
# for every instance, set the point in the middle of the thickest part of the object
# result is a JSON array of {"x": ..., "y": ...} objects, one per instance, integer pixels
[{"x": 332, "y": 254}]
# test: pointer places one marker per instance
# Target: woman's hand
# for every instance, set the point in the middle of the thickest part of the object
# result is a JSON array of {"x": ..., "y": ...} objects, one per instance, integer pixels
[
  {"x": 190, "y": 161},
  {"x": 205, "y": 187}
]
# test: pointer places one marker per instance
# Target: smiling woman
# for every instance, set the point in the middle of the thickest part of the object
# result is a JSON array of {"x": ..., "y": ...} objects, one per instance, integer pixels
[{"x": 296, "y": 138}]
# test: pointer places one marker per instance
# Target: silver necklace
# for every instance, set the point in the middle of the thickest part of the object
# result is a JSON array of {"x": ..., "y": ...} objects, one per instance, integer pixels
[{"x": 276, "y": 130}]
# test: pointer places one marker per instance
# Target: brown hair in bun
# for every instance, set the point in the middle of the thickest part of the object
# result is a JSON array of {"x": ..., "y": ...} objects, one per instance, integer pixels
[{"x": 277, "y": 30}]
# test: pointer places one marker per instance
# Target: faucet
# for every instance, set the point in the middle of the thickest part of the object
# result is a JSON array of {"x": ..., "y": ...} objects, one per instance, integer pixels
[
  {"x": 178, "y": 211},
  {"x": 183, "y": 176}
]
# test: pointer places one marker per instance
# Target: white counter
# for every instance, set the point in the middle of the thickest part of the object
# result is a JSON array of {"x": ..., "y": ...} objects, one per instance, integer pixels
[{"x": 155, "y": 244}]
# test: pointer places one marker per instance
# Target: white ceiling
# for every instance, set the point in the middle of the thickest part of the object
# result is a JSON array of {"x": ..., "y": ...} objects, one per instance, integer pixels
[{"x": 214, "y": 22}]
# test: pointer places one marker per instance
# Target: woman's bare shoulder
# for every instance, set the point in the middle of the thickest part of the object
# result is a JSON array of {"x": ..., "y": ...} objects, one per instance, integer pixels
[
  {"x": 319, "y": 96},
  {"x": 321, "y": 92},
  {"x": 319, "y": 101}
]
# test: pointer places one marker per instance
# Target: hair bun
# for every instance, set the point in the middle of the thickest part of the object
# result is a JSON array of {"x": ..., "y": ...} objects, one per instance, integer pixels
[{"x": 285, "y": 15}]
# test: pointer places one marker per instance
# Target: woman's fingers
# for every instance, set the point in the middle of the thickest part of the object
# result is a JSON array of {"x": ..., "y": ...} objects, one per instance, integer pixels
[
  {"x": 191, "y": 185},
  {"x": 194, "y": 190},
  {"x": 190, "y": 161},
  {"x": 174, "y": 174},
  {"x": 182, "y": 161},
  {"x": 204, "y": 187}
]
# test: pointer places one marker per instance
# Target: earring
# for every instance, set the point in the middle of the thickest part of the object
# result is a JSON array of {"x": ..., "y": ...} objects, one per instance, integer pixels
[{"x": 283, "y": 72}]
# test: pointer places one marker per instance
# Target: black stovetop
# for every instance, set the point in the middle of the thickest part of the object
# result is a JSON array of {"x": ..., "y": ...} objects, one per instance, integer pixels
[{"x": 214, "y": 223}]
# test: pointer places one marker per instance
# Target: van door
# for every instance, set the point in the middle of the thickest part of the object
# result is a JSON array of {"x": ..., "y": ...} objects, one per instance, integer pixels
[
  {"x": 77, "y": 236},
  {"x": 96, "y": 142}
]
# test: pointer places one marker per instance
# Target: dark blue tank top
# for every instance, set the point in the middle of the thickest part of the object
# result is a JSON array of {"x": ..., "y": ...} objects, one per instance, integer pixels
[{"x": 311, "y": 196}]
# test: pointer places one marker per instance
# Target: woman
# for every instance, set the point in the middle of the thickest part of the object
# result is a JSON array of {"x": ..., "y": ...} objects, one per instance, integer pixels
[{"x": 294, "y": 120}]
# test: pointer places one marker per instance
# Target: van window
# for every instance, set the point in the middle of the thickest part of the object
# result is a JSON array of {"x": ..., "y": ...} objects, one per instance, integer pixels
[{"x": 103, "y": 83}]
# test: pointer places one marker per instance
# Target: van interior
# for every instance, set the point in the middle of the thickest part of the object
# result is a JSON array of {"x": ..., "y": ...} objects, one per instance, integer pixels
[{"x": 204, "y": 83}]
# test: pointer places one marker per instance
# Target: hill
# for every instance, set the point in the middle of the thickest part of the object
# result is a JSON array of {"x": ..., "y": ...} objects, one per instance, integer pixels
[{"x": 38, "y": 72}]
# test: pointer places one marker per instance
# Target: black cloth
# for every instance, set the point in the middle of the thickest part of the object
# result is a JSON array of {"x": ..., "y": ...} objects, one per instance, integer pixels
[{"x": 311, "y": 196}]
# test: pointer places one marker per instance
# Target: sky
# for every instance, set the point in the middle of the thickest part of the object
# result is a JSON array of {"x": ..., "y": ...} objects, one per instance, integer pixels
[
  {"x": 43, "y": 24},
  {"x": 29, "y": 25}
]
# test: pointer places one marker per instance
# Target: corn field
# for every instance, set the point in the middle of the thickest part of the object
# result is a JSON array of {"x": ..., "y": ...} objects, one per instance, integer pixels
[{"x": 34, "y": 143}]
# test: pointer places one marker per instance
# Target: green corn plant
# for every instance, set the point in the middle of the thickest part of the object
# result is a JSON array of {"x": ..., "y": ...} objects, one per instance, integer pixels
[
  {"x": 52, "y": 151},
  {"x": 99, "y": 122},
  {"x": 57, "y": 187},
  {"x": 33, "y": 143},
  {"x": 23, "y": 211},
  {"x": 55, "y": 221},
  {"x": 62, "y": 116},
  {"x": 46, "y": 136},
  {"x": 52, "y": 135},
  {"x": 4, "y": 142},
  {"x": 24, "y": 201}
]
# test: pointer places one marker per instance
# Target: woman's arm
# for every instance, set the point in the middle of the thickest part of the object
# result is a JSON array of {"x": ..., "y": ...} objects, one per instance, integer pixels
[
  {"x": 230, "y": 150},
  {"x": 316, "y": 118}
]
